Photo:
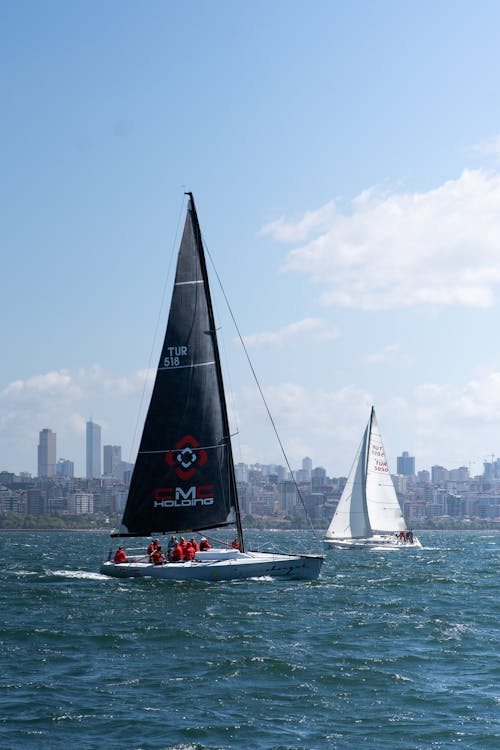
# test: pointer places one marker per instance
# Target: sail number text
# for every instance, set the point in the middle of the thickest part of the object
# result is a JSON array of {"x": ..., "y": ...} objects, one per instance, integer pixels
[{"x": 173, "y": 358}]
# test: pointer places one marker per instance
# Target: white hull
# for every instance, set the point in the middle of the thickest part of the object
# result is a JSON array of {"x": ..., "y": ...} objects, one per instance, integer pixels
[
  {"x": 220, "y": 565},
  {"x": 377, "y": 541}
]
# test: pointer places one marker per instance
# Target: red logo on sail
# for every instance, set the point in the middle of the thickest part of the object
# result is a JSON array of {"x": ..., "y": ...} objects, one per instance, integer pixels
[{"x": 186, "y": 457}]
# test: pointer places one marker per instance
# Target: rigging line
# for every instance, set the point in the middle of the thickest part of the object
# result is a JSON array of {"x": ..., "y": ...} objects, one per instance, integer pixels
[
  {"x": 260, "y": 390},
  {"x": 158, "y": 320}
]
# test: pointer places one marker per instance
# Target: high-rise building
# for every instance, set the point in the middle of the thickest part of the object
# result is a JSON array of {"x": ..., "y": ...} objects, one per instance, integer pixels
[
  {"x": 438, "y": 474},
  {"x": 47, "y": 453},
  {"x": 93, "y": 450},
  {"x": 307, "y": 465},
  {"x": 65, "y": 468},
  {"x": 318, "y": 478},
  {"x": 112, "y": 455},
  {"x": 406, "y": 465}
]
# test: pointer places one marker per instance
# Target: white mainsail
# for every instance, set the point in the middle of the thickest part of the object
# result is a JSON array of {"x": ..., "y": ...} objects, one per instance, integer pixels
[
  {"x": 350, "y": 520},
  {"x": 382, "y": 502}
]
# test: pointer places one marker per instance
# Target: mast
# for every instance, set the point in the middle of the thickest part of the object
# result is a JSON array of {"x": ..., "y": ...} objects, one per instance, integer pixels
[{"x": 220, "y": 382}]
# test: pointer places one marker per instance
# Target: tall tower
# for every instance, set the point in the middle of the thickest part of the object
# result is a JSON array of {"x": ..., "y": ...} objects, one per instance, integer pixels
[
  {"x": 112, "y": 458},
  {"x": 93, "y": 450},
  {"x": 47, "y": 453}
]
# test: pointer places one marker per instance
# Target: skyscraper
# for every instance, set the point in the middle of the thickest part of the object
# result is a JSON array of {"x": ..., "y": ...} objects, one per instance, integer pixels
[
  {"x": 406, "y": 465},
  {"x": 93, "y": 450},
  {"x": 112, "y": 458},
  {"x": 47, "y": 453},
  {"x": 307, "y": 465}
]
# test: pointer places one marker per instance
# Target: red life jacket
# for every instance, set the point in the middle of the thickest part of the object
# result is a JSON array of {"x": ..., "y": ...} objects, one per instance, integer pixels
[
  {"x": 120, "y": 556},
  {"x": 157, "y": 557},
  {"x": 177, "y": 554}
]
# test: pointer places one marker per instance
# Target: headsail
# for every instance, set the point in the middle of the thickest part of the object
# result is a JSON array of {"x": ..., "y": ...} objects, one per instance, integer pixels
[{"x": 184, "y": 477}]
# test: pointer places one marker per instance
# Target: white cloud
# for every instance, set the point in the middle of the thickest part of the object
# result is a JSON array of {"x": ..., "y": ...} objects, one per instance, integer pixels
[
  {"x": 323, "y": 424},
  {"x": 389, "y": 355},
  {"x": 299, "y": 231},
  {"x": 438, "y": 423},
  {"x": 435, "y": 249},
  {"x": 314, "y": 328},
  {"x": 489, "y": 147},
  {"x": 63, "y": 401}
]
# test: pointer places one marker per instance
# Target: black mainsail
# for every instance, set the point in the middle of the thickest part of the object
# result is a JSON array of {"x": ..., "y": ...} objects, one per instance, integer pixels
[{"x": 183, "y": 479}]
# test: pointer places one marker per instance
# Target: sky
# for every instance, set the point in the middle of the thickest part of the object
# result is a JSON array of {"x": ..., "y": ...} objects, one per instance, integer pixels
[{"x": 345, "y": 162}]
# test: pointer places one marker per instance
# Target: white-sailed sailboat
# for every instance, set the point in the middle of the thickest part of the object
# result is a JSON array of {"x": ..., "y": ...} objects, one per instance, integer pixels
[
  {"x": 183, "y": 480},
  {"x": 368, "y": 514}
]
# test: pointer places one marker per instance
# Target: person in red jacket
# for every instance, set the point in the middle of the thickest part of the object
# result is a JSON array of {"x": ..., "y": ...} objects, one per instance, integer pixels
[
  {"x": 188, "y": 552},
  {"x": 235, "y": 544},
  {"x": 194, "y": 544},
  {"x": 177, "y": 554},
  {"x": 120, "y": 556},
  {"x": 204, "y": 544},
  {"x": 157, "y": 556},
  {"x": 152, "y": 546}
]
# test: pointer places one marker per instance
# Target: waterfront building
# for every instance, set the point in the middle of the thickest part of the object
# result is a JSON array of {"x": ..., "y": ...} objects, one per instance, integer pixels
[{"x": 81, "y": 503}]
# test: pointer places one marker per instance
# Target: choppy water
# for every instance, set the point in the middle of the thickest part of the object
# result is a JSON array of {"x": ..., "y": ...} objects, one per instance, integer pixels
[{"x": 386, "y": 650}]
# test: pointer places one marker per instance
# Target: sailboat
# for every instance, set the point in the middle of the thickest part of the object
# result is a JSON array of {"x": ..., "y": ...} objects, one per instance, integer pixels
[
  {"x": 368, "y": 515},
  {"x": 183, "y": 479}
]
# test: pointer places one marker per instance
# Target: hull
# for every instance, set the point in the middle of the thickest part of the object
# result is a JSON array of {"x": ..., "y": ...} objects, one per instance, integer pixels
[
  {"x": 220, "y": 565},
  {"x": 381, "y": 541}
]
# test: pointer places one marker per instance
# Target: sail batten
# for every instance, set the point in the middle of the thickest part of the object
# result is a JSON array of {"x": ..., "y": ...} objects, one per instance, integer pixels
[{"x": 186, "y": 367}]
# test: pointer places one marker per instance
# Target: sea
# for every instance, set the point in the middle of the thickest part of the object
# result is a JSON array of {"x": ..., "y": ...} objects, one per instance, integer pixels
[{"x": 387, "y": 649}]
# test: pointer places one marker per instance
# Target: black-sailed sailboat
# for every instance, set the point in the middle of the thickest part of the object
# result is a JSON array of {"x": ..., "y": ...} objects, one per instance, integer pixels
[{"x": 183, "y": 480}]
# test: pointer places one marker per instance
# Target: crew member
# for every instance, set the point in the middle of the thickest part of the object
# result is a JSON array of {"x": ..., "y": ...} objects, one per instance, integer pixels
[
  {"x": 194, "y": 544},
  {"x": 172, "y": 544},
  {"x": 120, "y": 556},
  {"x": 153, "y": 545},
  {"x": 204, "y": 544},
  {"x": 157, "y": 556},
  {"x": 177, "y": 554}
]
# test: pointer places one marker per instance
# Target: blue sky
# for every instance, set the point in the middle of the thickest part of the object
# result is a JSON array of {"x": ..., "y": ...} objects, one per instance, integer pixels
[{"x": 344, "y": 158}]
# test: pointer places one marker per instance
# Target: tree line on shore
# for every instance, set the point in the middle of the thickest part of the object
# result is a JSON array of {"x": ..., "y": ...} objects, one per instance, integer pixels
[{"x": 94, "y": 521}]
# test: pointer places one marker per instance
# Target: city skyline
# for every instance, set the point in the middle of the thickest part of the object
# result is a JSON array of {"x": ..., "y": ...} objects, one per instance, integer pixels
[
  {"x": 110, "y": 458},
  {"x": 345, "y": 161}
]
